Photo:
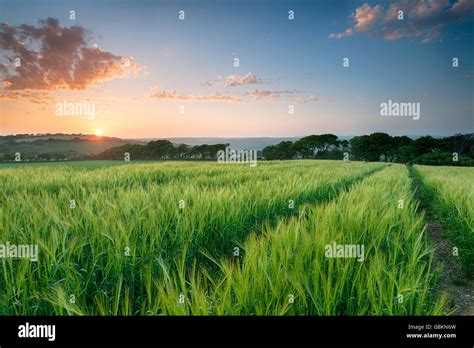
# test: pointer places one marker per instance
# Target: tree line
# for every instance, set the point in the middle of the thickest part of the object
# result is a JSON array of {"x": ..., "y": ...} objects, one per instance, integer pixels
[
  {"x": 458, "y": 149},
  {"x": 162, "y": 150}
]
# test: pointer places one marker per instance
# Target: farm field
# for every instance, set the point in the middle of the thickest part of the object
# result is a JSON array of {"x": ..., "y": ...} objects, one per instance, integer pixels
[{"x": 200, "y": 238}]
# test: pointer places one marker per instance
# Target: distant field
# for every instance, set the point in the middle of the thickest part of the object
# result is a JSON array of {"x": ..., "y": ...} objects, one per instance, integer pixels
[
  {"x": 206, "y": 238},
  {"x": 69, "y": 145},
  {"x": 73, "y": 164},
  {"x": 69, "y": 148}
]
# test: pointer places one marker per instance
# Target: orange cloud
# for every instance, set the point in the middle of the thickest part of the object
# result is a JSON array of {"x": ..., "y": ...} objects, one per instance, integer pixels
[
  {"x": 168, "y": 95},
  {"x": 28, "y": 96},
  {"x": 55, "y": 57}
]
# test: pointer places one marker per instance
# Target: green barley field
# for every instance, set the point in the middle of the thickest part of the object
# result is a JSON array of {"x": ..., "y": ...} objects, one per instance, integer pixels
[{"x": 202, "y": 238}]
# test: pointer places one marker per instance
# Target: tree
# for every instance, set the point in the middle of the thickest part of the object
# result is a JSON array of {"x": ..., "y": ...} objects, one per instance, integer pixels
[
  {"x": 425, "y": 144},
  {"x": 283, "y": 150},
  {"x": 310, "y": 146},
  {"x": 373, "y": 147}
]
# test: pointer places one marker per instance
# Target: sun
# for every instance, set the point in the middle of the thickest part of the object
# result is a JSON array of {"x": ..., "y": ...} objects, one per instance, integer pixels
[{"x": 99, "y": 132}]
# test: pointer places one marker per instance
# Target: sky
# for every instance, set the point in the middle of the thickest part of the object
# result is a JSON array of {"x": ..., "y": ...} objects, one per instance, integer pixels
[{"x": 143, "y": 72}]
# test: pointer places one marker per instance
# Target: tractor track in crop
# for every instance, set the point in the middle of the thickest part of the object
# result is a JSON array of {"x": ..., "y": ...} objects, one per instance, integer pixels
[
  {"x": 452, "y": 279},
  {"x": 338, "y": 188}
]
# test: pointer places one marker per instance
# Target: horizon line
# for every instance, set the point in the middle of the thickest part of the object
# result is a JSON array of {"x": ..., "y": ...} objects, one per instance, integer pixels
[{"x": 238, "y": 137}]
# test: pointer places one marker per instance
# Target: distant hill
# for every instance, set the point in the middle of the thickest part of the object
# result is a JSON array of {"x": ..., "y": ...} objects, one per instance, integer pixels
[
  {"x": 69, "y": 145},
  {"x": 78, "y": 145}
]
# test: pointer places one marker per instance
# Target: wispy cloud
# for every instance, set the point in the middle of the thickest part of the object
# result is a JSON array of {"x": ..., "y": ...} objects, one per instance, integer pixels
[
  {"x": 270, "y": 95},
  {"x": 234, "y": 80},
  {"x": 257, "y": 95},
  {"x": 424, "y": 19},
  {"x": 173, "y": 95},
  {"x": 310, "y": 99},
  {"x": 36, "y": 97}
]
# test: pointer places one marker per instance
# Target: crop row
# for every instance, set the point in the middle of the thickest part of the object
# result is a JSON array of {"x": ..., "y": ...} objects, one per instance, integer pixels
[{"x": 132, "y": 225}]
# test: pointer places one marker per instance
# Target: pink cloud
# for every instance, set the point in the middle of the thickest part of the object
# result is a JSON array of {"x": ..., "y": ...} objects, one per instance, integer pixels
[
  {"x": 366, "y": 17},
  {"x": 423, "y": 19}
]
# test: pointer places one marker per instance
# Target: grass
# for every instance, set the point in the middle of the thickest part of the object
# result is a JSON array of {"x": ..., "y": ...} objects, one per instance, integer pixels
[
  {"x": 247, "y": 241},
  {"x": 285, "y": 269},
  {"x": 78, "y": 165},
  {"x": 135, "y": 209}
]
